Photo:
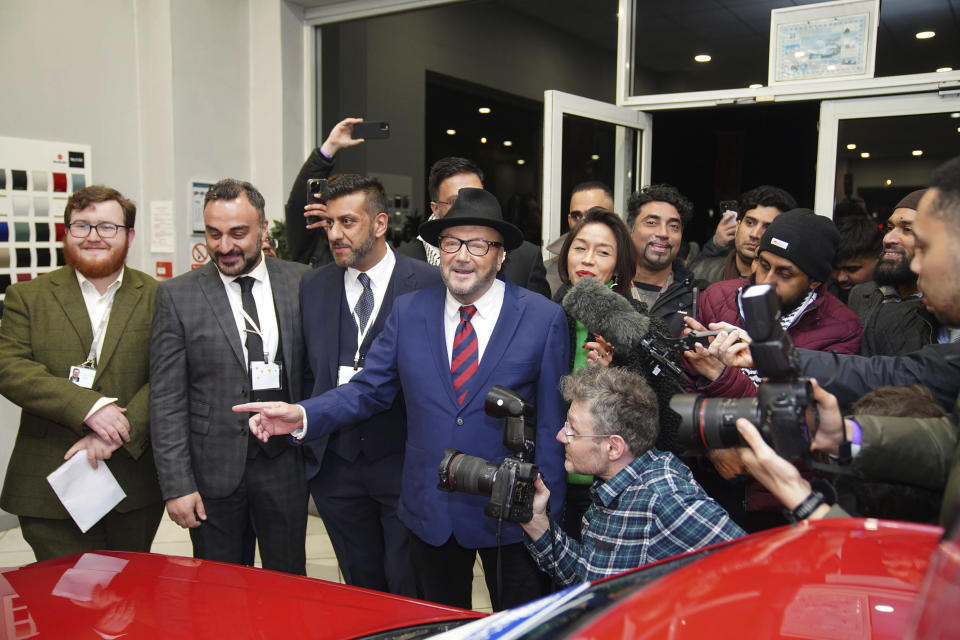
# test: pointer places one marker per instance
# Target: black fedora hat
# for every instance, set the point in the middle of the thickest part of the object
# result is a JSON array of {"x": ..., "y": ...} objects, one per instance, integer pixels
[{"x": 473, "y": 207}]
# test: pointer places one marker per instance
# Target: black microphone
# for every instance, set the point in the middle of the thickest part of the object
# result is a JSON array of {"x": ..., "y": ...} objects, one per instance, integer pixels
[{"x": 605, "y": 312}]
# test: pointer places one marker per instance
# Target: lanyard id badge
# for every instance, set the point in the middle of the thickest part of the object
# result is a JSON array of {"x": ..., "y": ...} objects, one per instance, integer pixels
[
  {"x": 82, "y": 375},
  {"x": 265, "y": 375}
]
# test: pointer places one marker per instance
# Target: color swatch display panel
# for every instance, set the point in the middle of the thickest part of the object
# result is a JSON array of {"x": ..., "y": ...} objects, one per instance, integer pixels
[{"x": 36, "y": 178}]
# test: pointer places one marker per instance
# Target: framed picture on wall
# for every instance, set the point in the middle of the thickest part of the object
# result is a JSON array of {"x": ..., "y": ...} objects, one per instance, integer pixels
[{"x": 826, "y": 41}]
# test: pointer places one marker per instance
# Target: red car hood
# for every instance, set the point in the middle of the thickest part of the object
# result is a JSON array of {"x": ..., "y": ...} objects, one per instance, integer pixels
[{"x": 140, "y": 595}]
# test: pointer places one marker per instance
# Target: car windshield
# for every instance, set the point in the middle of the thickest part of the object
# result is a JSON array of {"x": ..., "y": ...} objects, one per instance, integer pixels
[{"x": 556, "y": 615}]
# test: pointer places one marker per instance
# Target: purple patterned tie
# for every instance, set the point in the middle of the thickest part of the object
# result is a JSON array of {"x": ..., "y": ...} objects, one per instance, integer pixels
[{"x": 464, "y": 362}]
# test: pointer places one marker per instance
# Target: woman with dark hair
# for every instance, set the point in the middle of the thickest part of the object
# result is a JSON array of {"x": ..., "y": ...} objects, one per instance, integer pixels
[{"x": 600, "y": 247}]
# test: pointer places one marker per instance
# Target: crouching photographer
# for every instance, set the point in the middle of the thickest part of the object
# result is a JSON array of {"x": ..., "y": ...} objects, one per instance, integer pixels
[{"x": 645, "y": 505}]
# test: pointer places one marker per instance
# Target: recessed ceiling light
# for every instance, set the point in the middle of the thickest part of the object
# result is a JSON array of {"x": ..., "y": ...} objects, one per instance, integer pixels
[
  {"x": 755, "y": 85},
  {"x": 917, "y": 152},
  {"x": 944, "y": 69},
  {"x": 451, "y": 132},
  {"x": 925, "y": 35},
  {"x": 851, "y": 146},
  {"x": 864, "y": 154},
  {"x": 483, "y": 140},
  {"x": 595, "y": 157},
  {"x": 702, "y": 57},
  {"x": 521, "y": 161},
  {"x": 888, "y": 182},
  {"x": 955, "y": 114},
  {"x": 484, "y": 109},
  {"x": 508, "y": 143}
]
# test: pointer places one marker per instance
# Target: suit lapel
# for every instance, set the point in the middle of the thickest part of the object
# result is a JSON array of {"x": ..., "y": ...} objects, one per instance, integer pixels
[
  {"x": 329, "y": 300},
  {"x": 286, "y": 304},
  {"x": 434, "y": 330},
  {"x": 503, "y": 331},
  {"x": 124, "y": 302},
  {"x": 213, "y": 290},
  {"x": 401, "y": 282},
  {"x": 66, "y": 289}
]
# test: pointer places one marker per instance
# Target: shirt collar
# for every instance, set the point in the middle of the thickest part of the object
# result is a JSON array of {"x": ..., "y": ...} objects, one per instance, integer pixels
[
  {"x": 379, "y": 273},
  {"x": 606, "y": 492},
  {"x": 84, "y": 282},
  {"x": 259, "y": 272},
  {"x": 487, "y": 305}
]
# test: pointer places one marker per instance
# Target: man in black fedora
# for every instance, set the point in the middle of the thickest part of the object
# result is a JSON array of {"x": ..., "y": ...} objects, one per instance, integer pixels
[{"x": 445, "y": 347}]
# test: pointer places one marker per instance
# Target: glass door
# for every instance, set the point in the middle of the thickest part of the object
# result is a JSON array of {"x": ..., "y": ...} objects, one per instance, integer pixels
[{"x": 586, "y": 140}]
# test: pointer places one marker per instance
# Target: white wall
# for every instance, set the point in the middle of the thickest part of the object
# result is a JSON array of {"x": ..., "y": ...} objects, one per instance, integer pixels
[{"x": 164, "y": 91}]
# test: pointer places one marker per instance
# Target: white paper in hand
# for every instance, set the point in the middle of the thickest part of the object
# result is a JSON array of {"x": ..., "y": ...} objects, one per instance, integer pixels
[{"x": 88, "y": 494}]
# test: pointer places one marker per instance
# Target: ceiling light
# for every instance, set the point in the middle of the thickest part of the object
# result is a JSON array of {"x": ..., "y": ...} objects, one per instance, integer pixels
[
  {"x": 508, "y": 143},
  {"x": 521, "y": 161},
  {"x": 851, "y": 146},
  {"x": 883, "y": 608},
  {"x": 594, "y": 157},
  {"x": 955, "y": 114},
  {"x": 888, "y": 182},
  {"x": 755, "y": 85},
  {"x": 944, "y": 69},
  {"x": 483, "y": 140},
  {"x": 484, "y": 109},
  {"x": 925, "y": 35},
  {"x": 702, "y": 57},
  {"x": 451, "y": 132},
  {"x": 917, "y": 152},
  {"x": 865, "y": 154}
]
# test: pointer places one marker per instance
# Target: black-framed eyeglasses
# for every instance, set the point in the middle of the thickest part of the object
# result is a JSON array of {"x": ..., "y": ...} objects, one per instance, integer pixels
[
  {"x": 477, "y": 246},
  {"x": 447, "y": 204},
  {"x": 104, "y": 229}
]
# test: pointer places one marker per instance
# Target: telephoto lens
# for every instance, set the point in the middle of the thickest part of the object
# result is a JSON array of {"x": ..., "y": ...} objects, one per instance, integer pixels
[
  {"x": 467, "y": 474},
  {"x": 711, "y": 423}
]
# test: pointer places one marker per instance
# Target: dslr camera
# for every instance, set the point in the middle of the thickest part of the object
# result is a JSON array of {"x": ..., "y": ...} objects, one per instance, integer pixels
[
  {"x": 779, "y": 409},
  {"x": 510, "y": 483}
]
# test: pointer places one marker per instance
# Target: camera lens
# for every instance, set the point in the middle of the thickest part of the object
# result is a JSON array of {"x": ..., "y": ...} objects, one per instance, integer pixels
[
  {"x": 711, "y": 423},
  {"x": 468, "y": 474}
]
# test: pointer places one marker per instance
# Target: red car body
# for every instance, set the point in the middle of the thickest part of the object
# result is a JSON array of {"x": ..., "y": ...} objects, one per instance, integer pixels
[{"x": 846, "y": 578}]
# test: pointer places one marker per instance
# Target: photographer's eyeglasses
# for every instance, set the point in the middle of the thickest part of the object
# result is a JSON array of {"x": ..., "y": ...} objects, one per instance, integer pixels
[
  {"x": 568, "y": 437},
  {"x": 104, "y": 229},
  {"x": 477, "y": 247}
]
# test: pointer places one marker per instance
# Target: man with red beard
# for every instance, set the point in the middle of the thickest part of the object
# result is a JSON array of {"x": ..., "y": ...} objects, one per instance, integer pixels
[
  {"x": 225, "y": 333},
  {"x": 74, "y": 347},
  {"x": 891, "y": 306}
]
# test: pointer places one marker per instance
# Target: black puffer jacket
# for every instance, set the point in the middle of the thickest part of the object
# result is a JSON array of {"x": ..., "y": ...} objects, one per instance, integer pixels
[{"x": 892, "y": 326}]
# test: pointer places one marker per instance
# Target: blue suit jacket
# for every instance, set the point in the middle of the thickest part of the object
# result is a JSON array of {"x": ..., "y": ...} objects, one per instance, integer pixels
[
  {"x": 321, "y": 294},
  {"x": 527, "y": 353}
]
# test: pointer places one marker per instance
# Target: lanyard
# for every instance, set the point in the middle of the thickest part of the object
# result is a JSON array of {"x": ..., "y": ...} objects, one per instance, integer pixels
[
  {"x": 361, "y": 334},
  {"x": 256, "y": 330},
  {"x": 98, "y": 335}
]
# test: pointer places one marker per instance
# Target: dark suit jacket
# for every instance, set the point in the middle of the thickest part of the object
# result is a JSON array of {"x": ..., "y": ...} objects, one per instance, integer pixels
[
  {"x": 45, "y": 331},
  {"x": 522, "y": 266},
  {"x": 321, "y": 296},
  {"x": 527, "y": 353},
  {"x": 198, "y": 372}
]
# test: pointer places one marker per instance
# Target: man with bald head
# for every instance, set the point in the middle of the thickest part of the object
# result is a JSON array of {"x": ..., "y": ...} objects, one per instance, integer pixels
[{"x": 891, "y": 306}]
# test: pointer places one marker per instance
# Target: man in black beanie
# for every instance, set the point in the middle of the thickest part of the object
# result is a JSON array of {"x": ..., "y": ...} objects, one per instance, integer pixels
[{"x": 796, "y": 257}]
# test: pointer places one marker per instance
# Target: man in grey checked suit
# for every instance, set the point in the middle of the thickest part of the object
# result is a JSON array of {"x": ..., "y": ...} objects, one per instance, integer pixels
[{"x": 222, "y": 334}]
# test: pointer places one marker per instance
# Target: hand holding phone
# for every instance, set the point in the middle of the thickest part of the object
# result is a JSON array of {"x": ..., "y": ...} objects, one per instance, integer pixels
[
  {"x": 377, "y": 130},
  {"x": 727, "y": 227},
  {"x": 316, "y": 187}
]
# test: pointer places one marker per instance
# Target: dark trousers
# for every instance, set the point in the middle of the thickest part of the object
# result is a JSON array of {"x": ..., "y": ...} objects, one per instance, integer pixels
[
  {"x": 272, "y": 495},
  {"x": 445, "y": 574},
  {"x": 130, "y": 531},
  {"x": 358, "y": 503}
]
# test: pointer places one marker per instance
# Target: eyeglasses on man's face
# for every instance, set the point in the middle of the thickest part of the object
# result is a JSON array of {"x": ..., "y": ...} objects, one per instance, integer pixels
[
  {"x": 104, "y": 229},
  {"x": 476, "y": 246},
  {"x": 568, "y": 436}
]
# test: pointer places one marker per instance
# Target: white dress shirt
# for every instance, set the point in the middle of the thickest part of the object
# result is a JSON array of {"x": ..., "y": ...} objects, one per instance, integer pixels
[
  {"x": 379, "y": 275},
  {"x": 483, "y": 321},
  {"x": 267, "y": 316},
  {"x": 98, "y": 309}
]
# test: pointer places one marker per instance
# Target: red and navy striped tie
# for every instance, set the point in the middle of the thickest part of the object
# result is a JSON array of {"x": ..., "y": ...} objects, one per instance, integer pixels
[{"x": 464, "y": 362}]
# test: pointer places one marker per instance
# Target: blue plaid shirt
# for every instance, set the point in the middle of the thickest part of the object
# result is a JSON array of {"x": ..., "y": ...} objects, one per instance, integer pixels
[{"x": 651, "y": 510}]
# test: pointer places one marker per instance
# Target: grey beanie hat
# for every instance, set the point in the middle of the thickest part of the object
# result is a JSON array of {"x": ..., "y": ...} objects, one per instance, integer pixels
[{"x": 805, "y": 239}]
